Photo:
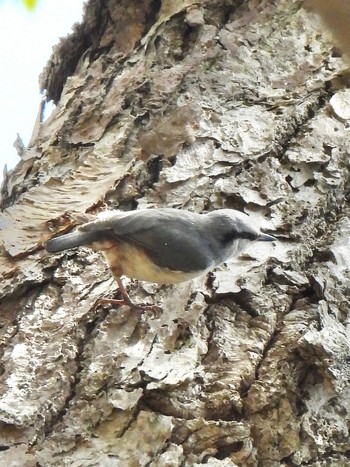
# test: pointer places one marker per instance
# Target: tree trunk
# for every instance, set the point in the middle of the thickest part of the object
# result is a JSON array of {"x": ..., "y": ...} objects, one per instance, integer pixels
[{"x": 196, "y": 105}]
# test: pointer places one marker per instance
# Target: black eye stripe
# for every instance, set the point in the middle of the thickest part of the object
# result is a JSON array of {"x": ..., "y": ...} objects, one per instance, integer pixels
[{"x": 230, "y": 236}]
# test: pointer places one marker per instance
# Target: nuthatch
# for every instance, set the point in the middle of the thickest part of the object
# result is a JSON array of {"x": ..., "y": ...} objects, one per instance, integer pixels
[{"x": 163, "y": 245}]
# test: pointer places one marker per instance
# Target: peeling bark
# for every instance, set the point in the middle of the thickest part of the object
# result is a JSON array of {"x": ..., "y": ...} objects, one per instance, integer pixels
[{"x": 198, "y": 105}]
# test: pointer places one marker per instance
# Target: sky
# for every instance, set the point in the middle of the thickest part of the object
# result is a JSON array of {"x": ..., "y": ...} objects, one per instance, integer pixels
[{"x": 26, "y": 41}]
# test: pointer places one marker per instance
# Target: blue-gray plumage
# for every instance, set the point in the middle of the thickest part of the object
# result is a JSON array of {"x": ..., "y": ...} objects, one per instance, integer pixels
[{"x": 164, "y": 245}]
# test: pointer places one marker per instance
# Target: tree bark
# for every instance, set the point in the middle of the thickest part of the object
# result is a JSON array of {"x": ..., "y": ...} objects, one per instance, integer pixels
[{"x": 195, "y": 105}]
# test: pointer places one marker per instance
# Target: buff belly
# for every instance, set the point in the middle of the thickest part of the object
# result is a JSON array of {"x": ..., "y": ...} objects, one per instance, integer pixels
[{"x": 127, "y": 259}]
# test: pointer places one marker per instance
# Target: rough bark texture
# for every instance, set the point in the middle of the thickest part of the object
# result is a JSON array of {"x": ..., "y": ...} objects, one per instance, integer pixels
[{"x": 196, "y": 105}]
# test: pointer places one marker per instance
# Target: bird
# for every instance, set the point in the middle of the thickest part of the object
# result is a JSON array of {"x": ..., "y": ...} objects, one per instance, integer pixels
[{"x": 162, "y": 245}]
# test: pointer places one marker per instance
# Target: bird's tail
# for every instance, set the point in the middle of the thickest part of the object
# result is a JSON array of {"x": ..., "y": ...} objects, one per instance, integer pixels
[{"x": 71, "y": 240}]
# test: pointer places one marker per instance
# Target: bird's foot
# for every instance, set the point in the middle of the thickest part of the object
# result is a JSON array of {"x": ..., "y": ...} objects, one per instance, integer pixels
[{"x": 111, "y": 301}]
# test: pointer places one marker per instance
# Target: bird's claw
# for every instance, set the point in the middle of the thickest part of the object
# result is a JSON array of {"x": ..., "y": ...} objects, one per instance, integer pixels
[{"x": 111, "y": 301}]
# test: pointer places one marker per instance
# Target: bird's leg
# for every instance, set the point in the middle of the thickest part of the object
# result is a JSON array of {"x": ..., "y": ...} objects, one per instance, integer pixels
[
  {"x": 113, "y": 301},
  {"x": 124, "y": 293},
  {"x": 153, "y": 309}
]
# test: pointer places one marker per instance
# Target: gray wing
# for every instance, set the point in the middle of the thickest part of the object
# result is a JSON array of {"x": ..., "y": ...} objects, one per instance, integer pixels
[{"x": 171, "y": 238}]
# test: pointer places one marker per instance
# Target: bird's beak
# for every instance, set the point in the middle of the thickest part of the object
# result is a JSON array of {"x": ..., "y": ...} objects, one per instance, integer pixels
[{"x": 266, "y": 238}]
